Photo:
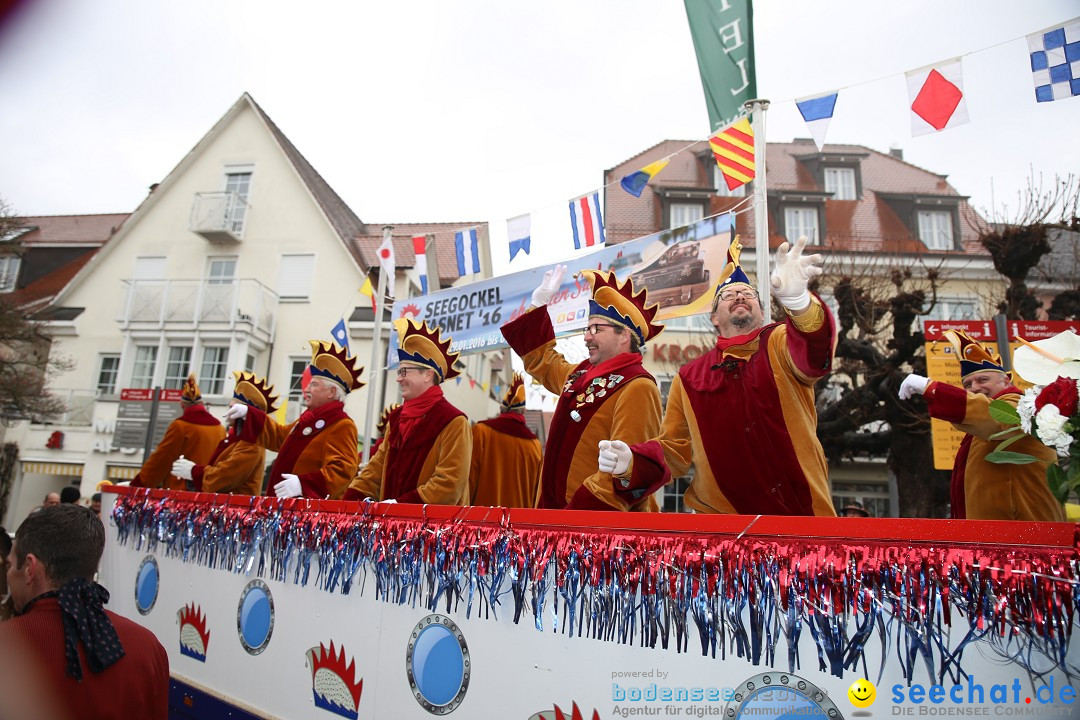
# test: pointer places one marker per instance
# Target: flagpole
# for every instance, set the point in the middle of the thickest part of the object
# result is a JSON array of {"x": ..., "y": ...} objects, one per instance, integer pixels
[
  {"x": 374, "y": 368},
  {"x": 757, "y": 109}
]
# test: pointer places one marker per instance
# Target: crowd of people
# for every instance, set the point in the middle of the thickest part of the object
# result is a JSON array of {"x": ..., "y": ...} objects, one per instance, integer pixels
[{"x": 742, "y": 415}]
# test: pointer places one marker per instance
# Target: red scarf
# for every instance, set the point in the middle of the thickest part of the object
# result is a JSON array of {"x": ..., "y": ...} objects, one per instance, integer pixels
[
  {"x": 198, "y": 415},
  {"x": 413, "y": 410}
]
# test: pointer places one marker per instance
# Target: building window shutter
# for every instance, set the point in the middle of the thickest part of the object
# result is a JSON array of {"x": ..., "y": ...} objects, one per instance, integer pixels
[
  {"x": 295, "y": 276},
  {"x": 149, "y": 268}
]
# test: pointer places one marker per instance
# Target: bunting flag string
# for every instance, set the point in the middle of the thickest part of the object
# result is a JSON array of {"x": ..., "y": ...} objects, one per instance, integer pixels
[
  {"x": 749, "y": 596},
  {"x": 1052, "y": 54}
]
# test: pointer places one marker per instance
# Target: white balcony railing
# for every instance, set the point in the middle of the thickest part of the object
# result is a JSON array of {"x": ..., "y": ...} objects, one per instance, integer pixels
[
  {"x": 244, "y": 304},
  {"x": 218, "y": 216}
]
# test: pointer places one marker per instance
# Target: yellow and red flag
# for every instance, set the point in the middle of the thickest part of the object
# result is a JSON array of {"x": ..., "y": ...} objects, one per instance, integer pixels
[{"x": 733, "y": 149}]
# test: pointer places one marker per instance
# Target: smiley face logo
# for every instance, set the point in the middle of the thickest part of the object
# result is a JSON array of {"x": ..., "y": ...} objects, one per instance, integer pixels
[{"x": 862, "y": 693}]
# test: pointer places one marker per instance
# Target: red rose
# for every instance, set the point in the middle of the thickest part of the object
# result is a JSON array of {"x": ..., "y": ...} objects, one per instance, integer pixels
[{"x": 1062, "y": 394}]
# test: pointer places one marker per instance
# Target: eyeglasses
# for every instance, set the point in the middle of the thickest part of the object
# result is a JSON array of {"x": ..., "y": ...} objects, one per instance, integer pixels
[
  {"x": 595, "y": 328},
  {"x": 403, "y": 371},
  {"x": 731, "y": 294}
]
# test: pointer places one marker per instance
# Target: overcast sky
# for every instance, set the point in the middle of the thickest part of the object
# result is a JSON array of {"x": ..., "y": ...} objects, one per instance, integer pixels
[{"x": 479, "y": 110}]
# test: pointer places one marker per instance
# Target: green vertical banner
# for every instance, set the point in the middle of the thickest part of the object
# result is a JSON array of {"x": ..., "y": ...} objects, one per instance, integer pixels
[{"x": 723, "y": 33}]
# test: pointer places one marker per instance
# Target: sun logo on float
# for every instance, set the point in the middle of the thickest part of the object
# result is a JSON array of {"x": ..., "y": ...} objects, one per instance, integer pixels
[
  {"x": 410, "y": 311},
  {"x": 194, "y": 637},
  {"x": 558, "y": 714},
  {"x": 334, "y": 683}
]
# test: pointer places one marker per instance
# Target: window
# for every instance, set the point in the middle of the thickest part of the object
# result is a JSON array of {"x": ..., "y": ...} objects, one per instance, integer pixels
[
  {"x": 685, "y": 213},
  {"x": 295, "y": 276},
  {"x": 149, "y": 268},
  {"x": 720, "y": 184},
  {"x": 841, "y": 183},
  {"x": 237, "y": 181},
  {"x": 249, "y": 364},
  {"x": 142, "y": 372},
  {"x": 9, "y": 272},
  {"x": 800, "y": 221},
  {"x": 221, "y": 271},
  {"x": 296, "y": 372},
  {"x": 953, "y": 309},
  {"x": 212, "y": 373},
  {"x": 108, "y": 372},
  {"x": 178, "y": 367},
  {"x": 936, "y": 229}
]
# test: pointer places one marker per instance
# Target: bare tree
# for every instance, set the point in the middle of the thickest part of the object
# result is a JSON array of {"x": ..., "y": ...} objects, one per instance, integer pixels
[{"x": 26, "y": 364}]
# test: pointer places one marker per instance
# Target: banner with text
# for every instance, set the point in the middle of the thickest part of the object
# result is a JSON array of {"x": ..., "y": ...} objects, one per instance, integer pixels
[{"x": 679, "y": 267}]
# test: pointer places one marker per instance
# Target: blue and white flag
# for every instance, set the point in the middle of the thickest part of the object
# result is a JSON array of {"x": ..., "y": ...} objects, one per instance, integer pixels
[
  {"x": 340, "y": 333},
  {"x": 519, "y": 232},
  {"x": 468, "y": 255},
  {"x": 587, "y": 222},
  {"x": 1055, "y": 61},
  {"x": 817, "y": 111}
]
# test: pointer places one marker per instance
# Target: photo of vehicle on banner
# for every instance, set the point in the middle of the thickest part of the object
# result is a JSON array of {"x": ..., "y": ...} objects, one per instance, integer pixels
[{"x": 679, "y": 267}]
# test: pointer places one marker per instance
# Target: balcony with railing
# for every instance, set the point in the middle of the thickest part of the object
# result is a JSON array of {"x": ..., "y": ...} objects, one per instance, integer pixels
[
  {"x": 218, "y": 217},
  {"x": 244, "y": 305}
]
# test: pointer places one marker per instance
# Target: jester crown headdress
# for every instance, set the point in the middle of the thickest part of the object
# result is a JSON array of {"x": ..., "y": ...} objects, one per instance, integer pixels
[
  {"x": 733, "y": 274},
  {"x": 423, "y": 347},
  {"x": 191, "y": 391},
  {"x": 332, "y": 362},
  {"x": 972, "y": 356},
  {"x": 616, "y": 301},
  {"x": 514, "y": 399},
  {"x": 254, "y": 391}
]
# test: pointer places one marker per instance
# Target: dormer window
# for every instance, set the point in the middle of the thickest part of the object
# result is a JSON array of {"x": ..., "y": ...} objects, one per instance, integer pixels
[
  {"x": 799, "y": 221},
  {"x": 936, "y": 229},
  {"x": 841, "y": 183},
  {"x": 9, "y": 272}
]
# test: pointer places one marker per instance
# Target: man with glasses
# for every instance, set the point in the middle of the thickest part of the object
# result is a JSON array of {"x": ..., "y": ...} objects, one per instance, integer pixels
[
  {"x": 427, "y": 448},
  {"x": 743, "y": 413},
  {"x": 317, "y": 454},
  {"x": 609, "y": 395}
]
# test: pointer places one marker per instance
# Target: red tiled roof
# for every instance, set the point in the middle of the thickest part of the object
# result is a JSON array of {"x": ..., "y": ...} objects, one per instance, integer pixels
[
  {"x": 40, "y": 292},
  {"x": 70, "y": 229},
  {"x": 868, "y": 224},
  {"x": 368, "y": 244}
]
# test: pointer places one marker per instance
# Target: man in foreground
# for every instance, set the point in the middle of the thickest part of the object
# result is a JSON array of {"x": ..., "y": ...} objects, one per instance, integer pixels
[
  {"x": 743, "y": 413},
  {"x": 64, "y": 655}
]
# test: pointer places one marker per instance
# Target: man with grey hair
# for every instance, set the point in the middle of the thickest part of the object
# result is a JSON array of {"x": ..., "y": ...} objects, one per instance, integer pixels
[
  {"x": 317, "y": 454},
  {"x": 64, "y": 654}
]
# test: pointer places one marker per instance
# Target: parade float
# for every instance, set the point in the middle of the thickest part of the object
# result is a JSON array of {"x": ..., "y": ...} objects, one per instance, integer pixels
[{"x": 360, "y": 610}]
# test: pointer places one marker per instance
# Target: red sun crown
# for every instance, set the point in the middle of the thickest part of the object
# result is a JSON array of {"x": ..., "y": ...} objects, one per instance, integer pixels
[
  {"x": 335, "y": 663},
  {"x": 515, "y": 394},
  {"x": 329, "y": 359},
  {"x": 560, "y": 715},
  {"x": 249, "y": 384},
  {"x": 192, "y": 615}
]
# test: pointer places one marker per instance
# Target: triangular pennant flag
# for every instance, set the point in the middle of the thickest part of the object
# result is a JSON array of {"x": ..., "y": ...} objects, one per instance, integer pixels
[
  {"x": 937, "y": 97},
  {"x": 733, "y": 148},
  {"x": 817, "y": 111},
  {"x": 519, "y": 232},
  {"x": 367, "y": 289},
  {"x": 635, "y": 182},
  {"x": 340, "y": 333}
]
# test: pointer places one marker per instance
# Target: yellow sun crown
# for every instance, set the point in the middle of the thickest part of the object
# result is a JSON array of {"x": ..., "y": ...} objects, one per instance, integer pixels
[
  {"x": 255, "y": 391},
  {"x": 331, "y": 361},
  {"x": 620, "y": 302},
  {"x": 423, "y": 346}
]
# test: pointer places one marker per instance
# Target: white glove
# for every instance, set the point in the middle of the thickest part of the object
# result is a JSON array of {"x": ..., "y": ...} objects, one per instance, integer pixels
[
  {"x": 614, "y": 457},
  {"x": 791, "y": 274},
  {"x": 388, "y": 502},
  {"x": 913, "y": 385},
  {"x": 552, "y": 281},
  {"x": 236, "y": 412},
  {"x": 288, "y": 487},
  {"x": 182, "y": 468}
]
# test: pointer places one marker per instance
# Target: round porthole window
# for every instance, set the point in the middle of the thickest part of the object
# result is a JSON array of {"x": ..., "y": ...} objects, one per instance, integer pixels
[
  {"x": 255, "y": 617},
  {"x": 438, "y": 664},
  {"x": 147, "y": 584}
]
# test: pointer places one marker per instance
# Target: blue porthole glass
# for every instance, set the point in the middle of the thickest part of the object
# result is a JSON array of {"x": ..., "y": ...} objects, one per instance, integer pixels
[
  {"x": 438, "y": 664},
  {"x": 255, "y": 617},
  {"x": 147, "y": 584}
]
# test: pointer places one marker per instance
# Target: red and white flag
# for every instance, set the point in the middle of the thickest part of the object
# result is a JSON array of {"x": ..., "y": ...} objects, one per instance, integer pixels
[
  {"x": 386, "y": 259},
  {"x": 937, "y": 97},
  {"x": 420, "y": 251}
]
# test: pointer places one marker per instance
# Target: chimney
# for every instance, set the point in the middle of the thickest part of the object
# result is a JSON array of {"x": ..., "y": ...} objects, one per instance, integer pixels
[
  {"x": 896, "y": 152},
  {"x": 153, "y": 188}
]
